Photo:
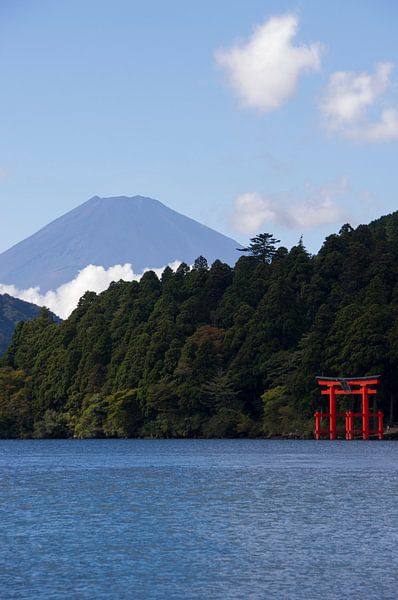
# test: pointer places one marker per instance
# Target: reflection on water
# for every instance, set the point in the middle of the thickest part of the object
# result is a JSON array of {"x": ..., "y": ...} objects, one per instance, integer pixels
[{"x": 198, "y": 519}]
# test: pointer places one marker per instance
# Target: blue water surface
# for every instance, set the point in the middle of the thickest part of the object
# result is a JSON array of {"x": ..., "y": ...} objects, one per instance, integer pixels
[{"x": 196, "y": 519}]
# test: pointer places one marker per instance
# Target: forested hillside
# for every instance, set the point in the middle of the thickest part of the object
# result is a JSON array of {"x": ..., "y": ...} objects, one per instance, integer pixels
[
  {"x": 13, "y": 310},
  {"x": 214, "y": 351}
]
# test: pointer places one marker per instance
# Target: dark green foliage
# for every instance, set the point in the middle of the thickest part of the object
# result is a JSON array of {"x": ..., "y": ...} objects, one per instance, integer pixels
[
  {"x": 12, "y": 311},
  {"x": 262, "y": 247},
  {"x": 15, "y": 412},
  {"x": 212, "y": 351}
]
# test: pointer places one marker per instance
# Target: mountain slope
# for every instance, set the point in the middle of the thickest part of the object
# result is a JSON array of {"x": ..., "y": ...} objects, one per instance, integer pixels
[
  {"x": 109, "y": 231},
  {"x": 12, "y": 311}
]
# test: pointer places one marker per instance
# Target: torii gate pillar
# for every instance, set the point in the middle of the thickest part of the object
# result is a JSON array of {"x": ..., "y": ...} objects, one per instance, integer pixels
[
  {"x": 333, "y": 414},
  {"x": 365, "y": 412}
]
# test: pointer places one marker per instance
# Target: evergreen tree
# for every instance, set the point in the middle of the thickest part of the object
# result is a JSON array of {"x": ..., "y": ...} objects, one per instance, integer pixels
[{"x": 262, "y": 247}]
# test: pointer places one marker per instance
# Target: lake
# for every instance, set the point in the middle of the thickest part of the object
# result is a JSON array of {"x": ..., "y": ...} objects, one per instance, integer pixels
[{"x": 198, "y": 519}]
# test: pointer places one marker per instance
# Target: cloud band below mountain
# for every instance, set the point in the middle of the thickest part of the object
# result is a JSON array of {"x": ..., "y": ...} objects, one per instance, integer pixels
[{"x": 93, "y": 278}]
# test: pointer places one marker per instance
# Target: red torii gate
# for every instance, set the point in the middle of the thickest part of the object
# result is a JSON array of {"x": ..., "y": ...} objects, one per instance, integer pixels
[{"x": 338, "y": 385}]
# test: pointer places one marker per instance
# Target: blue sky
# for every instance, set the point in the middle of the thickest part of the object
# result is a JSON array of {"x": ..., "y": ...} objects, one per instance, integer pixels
[{"x": 159, "y": 99}]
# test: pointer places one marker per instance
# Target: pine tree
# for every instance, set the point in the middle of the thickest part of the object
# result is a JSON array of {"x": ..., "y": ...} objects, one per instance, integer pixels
[{"x": 262, "y": 247}]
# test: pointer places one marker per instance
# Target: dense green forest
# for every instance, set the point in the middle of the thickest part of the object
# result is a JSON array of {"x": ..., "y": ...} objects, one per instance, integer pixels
[
  {"x": 12, "y": 311},
  {"x": 212, "y": 352}
]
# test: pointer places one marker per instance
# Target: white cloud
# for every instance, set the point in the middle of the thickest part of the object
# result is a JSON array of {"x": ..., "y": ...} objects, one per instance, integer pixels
[
  {"x": 348, "y": 95},
  {"x": 318, "y": 208},
  {"x": 349, "y": 99},
  {"x": 64, "y": 299},
  {"x": 386, "y": 129},
  {"x": 251, "y": 211},
  {"x": 264, "y": 71}
]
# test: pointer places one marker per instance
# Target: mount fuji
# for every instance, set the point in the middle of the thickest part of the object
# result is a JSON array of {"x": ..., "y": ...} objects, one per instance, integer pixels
[{"x": 107, "y": 232}]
